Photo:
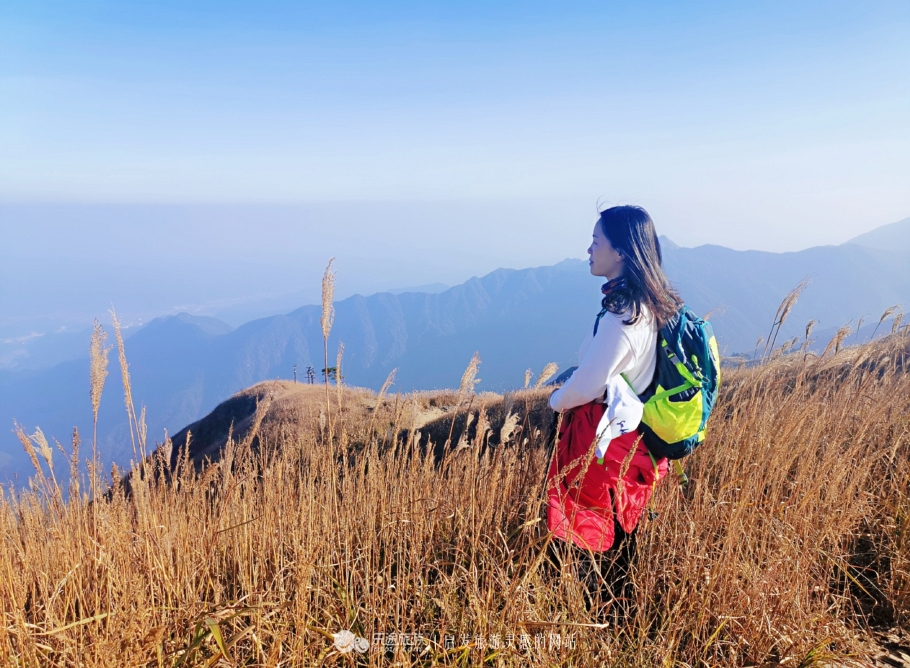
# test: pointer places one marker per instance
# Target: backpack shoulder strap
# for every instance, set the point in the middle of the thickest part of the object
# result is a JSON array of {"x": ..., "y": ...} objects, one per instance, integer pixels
[{"x": 600, "y": 315}]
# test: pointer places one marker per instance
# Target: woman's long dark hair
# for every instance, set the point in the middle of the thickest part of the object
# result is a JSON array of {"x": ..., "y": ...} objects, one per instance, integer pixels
[{"x": 630, "y": 231}]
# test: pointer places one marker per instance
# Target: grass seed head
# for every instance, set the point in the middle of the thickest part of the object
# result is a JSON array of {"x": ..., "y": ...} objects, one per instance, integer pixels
[
  {"x": 508, "y": 427},
  {"x": 127, "y": 387},
  {"x": 386, "y": 385},
  {"x": 548, "y": 372},
  {"x": 98, "y": 370},
  {"x": 887, "y": 313},
  {"x": 29, "y": 447},
  {"x": 328, "y": 296},
  {"x": 44, "y": 448},
  {"x": 790, "y": 300},
  {"x": 469, "y": 377},
  {"x": 809, "y": 327},
  {"x": 838, "y": 339}
]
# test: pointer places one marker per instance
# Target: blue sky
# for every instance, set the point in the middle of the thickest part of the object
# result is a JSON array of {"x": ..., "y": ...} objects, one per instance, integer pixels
[{"x": 773, "y": 126}]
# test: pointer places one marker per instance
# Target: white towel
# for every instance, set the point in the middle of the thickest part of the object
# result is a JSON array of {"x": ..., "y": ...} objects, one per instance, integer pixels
[{"x": 622, "y": 415}]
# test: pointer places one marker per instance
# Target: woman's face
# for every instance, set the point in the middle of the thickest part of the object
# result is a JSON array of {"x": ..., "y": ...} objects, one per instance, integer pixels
[{"x": 605, "y": 260}]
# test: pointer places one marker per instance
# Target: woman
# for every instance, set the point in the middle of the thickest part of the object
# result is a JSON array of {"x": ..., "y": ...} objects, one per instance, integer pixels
[{"x": 594, "y": 503}]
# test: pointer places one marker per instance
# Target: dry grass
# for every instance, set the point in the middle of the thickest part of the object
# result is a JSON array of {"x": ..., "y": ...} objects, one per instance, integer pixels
[{"x": 791, "y": 540}]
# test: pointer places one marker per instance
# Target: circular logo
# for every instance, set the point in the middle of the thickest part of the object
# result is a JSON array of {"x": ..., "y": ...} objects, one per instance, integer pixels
[{"x": 344, "y": 641}]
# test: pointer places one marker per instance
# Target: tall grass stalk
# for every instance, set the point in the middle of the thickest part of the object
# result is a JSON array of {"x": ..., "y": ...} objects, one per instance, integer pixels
[
  {"x": 781, "y": 316},
  {"x": 468, "y": 381},
  {"x": 98, "y": 351},
  {"x": 379, "y": 398},
  {"x": 888, "y": 312},
  {"x": 338, "y": 378},
  {"x": 328, "y": 318},
  {"x": 138, "y": 454}
]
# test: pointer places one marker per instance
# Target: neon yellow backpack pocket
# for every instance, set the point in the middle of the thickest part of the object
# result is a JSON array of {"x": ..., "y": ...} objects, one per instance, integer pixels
[{"x": 674, "y": 421}]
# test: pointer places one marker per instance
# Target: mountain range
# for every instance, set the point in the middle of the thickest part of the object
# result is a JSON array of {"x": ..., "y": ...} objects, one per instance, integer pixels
[{"x": 182, "y": 366}]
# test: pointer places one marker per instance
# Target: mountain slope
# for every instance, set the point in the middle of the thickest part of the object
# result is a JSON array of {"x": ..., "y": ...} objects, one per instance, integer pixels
[
  {"x": 893, "y": 237},
  {"x": 845, "y": 283}
]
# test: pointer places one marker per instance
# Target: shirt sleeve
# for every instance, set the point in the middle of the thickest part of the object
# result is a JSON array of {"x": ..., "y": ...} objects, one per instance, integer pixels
[{"x": 609, "y": 354}]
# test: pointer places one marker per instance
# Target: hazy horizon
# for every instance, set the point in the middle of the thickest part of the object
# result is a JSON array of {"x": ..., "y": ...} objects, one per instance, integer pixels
[{"x": 239, "y": 262}]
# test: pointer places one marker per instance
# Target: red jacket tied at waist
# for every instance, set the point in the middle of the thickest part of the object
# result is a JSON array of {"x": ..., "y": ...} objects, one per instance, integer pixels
[{"x": 581, "y": 510}]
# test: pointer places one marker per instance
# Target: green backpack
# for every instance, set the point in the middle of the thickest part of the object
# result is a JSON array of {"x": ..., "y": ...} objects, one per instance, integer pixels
[{"x": 679, "y": 400}]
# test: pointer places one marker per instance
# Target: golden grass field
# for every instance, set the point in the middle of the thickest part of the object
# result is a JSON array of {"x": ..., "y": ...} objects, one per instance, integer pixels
[{"x": 331, "y": 509}]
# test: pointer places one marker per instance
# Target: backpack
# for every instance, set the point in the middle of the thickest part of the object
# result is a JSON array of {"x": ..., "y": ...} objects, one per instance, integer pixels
[{"x": 679, "y": 400}]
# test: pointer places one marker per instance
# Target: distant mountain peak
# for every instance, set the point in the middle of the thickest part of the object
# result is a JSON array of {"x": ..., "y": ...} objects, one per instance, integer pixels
[
  {"x": 893, "y": 237},
  {"x": 203, "y": 324},
  {"x": 570, "y": 264}
]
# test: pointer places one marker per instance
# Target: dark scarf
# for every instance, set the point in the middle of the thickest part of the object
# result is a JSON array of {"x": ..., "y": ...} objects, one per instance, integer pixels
[
  {"x": 611, "y": 291},
  {"x": 611, "y": 287}
]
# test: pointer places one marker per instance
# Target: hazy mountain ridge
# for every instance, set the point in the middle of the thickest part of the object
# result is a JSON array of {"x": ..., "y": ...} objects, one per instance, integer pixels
[
  {"x": 182, "y": 366},
  {"x": 892, "y": 237},
  {"x": 845, "y": 283}
]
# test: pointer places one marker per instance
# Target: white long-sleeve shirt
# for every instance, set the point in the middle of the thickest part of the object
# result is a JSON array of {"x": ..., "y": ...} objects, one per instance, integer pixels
[{"x": 617, "y": 348}]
